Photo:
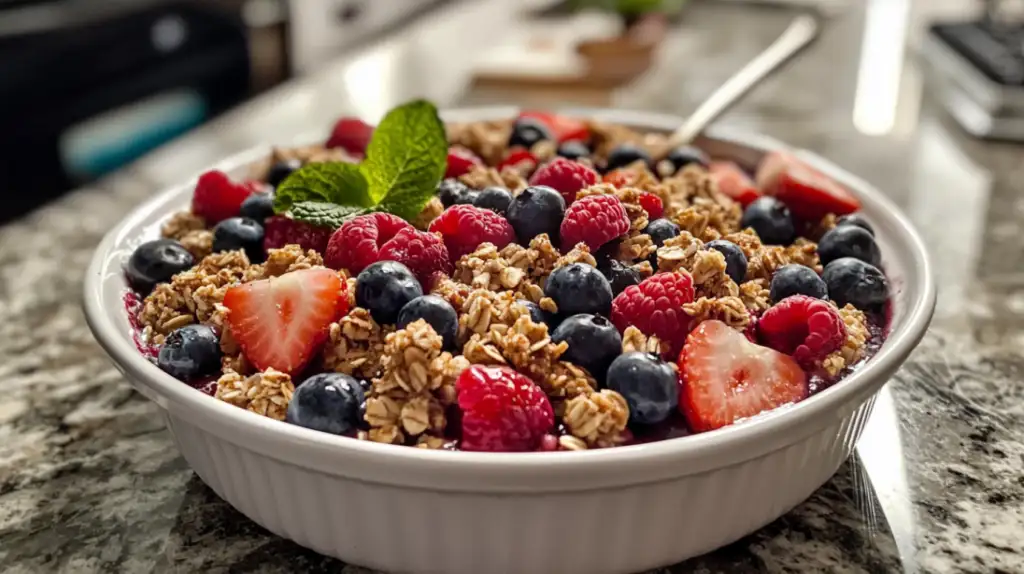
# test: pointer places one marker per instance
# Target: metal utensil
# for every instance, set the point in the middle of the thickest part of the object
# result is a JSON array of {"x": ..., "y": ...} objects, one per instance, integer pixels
[{"x": 797, "y": 36}]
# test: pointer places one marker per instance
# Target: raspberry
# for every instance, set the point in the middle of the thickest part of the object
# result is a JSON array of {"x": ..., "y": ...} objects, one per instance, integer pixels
[
  {"x": 655, "y": 306},
  {"x": 809, "y": 329},
  {"x": 460, "y": 161},
  {"x": 652, "y": 205},
  {"x": 279, "y": 231},
  {"x": 502, "y": 410},
  {"x": 594, "y": 220},
  {"x": 217, "y": 198},
  {"x": 357, "y": 243},
  {"x": 566, "y": 176},
  {"x": 465, "y": 227},
  {"x": 422, "y": 252},
  {"x": 351, "y": 134}
]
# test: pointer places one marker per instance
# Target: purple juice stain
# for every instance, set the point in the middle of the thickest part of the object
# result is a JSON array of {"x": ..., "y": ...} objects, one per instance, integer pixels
[{"x": 132, "y": 306}]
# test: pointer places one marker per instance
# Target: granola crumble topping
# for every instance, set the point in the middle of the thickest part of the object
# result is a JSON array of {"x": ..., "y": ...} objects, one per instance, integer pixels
[
  {"x": 431, "y": 211},
  {"x": 481, "y": 176},
  {"x": 407, "y": 400},
  {"x": 633, "y": 340},
  {"x": 729, "y": 310},
  {"x": 290, "y": 258},
  {"x": 182, "y": 223},
  {"x": 355, "y": 345},
  {"x": 192, "y": 296},
  {"x": 198, "y": 242},
  {"x": 267, "y": 393},
  {"x": 599, "y": 418},
  {"x": 853, "y": 348},
  {"x": 755, "y": 295}
]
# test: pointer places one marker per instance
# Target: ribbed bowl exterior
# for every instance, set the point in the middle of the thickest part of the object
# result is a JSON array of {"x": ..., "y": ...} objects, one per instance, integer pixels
[{"x": 613, "y": 531}]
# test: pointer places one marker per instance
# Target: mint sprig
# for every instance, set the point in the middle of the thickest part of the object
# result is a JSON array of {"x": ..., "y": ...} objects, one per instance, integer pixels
[
  {"x": 332, "y": 182},
  {"x": 324, "y": 214},
  {"x": 405, "y": 160}
]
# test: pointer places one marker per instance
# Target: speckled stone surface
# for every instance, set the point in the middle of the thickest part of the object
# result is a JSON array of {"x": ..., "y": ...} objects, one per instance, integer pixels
[{"x": 90, "y": 480}]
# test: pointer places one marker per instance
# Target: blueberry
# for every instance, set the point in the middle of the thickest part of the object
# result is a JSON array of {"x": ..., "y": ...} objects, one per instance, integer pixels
[
  {"x": 281, "y": 170},
  {"x": 855, "y": 282},
  {"x": 579, "y": 288},
  {"x": 258, "y": 207},
  {"x": 537, "y": 209},
  {"x": 239, "y": 233},
  {"x": 453, "y": 192},
  {"x": 625, "y": 154},
  {"x": 771, "y": 220},
  {"x": 593, "y": 343},
  {"x": 384, "y": 288},
  {"x": 620, "y": 276},
  {"x": 156, "y": 262},
  {"x": 648, "y": 384},
  {"x": 497, "y": 199},
  {"x": 735, "y": 259},
  {"x": 661, "y": 230},
  {"x": 681, "y": 157},
  {"x": 848, "y": 241},
  {"x": 538, "y": 315},
  {"x": 858, "y": 220},
  {"x": 796, "y": 279},
  {"x": 573, "y": 150},
  {"x": 190, "y": 353},
  {"x": 528, "y": 131},
  {"x": 435, "y": 311},
  {"x": 327, "y": 402}
]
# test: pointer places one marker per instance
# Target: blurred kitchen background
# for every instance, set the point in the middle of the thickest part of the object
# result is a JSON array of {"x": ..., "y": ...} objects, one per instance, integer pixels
[{"x": 88, "y": 87}]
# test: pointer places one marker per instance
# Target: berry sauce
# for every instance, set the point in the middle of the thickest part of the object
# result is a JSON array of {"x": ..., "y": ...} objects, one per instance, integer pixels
[{"x": 132, "y": 306}]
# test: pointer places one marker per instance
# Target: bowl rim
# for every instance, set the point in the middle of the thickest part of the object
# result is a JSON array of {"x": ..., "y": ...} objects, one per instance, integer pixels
[{"x": 492, "y": 472}]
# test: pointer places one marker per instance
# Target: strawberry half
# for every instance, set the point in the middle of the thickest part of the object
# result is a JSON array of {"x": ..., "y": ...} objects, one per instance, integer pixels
[
  {"x": 563, "y": 128},
  {"x": 769, "y": 170},
  {"x": 808, "y": 193},
  {"x": 282, "y": 321},
  {"x": 516, "y": 157},
  {"x": 734, "y": 182},
  {"x": 726, "y": 378}
]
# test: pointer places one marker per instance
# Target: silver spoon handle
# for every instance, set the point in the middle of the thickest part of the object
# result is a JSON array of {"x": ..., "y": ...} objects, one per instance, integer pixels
[{"x": 797, "y": 36}]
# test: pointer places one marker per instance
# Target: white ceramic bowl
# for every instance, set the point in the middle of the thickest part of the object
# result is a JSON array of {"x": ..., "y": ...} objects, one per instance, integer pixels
[{"x": 604, "y": 511}]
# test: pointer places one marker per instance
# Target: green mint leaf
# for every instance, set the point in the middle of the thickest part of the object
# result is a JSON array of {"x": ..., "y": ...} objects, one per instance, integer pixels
[
  {"x": 333, "y": 182},
  {"x": 406, "y": 158},
  {"x": 324, "y": 214}
]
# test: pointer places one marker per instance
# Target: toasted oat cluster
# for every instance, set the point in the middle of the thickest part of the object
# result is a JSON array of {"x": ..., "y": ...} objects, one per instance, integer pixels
[{"x": 571, "y": 285}]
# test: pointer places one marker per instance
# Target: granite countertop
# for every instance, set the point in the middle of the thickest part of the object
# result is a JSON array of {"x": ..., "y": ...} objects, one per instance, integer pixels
[{"x": 90, "y": 481}]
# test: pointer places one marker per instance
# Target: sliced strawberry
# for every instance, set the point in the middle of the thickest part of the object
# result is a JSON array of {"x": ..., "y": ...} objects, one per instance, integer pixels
[
  {"x": 726, "y": 378},
  {"x": 812, "y": 195},
  {"x": 808, "y": 193},
  {"x": 618, "y": 177},
  {"x": 734, "y": 182},
  {"x": 769, "y": 170},
  {"x": 282, "y": 321},
  {"x": 217, "y": 198},
  {"x": 460, "y": 161},
  {"x": 563, "y": 128},
  {"x": 351, "y": 134},
  {"x": 517, "y": 156}
]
